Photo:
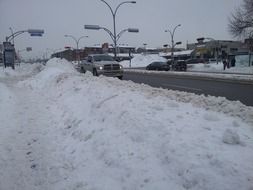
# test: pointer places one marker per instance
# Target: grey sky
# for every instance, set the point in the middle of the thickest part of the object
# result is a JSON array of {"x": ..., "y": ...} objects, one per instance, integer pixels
[{"x": 198, "y": 18}]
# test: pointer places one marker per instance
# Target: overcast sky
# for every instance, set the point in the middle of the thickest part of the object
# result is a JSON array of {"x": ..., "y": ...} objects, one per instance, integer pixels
[{"x": 199, "y": 18}]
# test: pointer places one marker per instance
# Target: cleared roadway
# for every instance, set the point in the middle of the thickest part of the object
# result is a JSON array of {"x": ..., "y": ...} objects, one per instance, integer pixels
[{"x": 231, "y": 89}]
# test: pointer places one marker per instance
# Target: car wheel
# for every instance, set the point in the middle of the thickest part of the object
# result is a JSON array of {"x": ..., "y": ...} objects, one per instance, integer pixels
[
  {"x": 120, "y": 77},
  {"x": 95, "y": 73}
]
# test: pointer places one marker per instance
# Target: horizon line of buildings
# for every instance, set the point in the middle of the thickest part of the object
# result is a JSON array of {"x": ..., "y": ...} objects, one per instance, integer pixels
[{"x": 201, "y": 49}]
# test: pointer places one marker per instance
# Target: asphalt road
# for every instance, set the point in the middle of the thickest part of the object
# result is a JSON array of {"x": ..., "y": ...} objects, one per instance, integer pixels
[{"x": 232, "y": 90}]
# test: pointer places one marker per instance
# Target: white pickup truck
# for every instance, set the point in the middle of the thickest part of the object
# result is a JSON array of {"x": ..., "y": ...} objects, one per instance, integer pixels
[{"x": 102, "y": 64}]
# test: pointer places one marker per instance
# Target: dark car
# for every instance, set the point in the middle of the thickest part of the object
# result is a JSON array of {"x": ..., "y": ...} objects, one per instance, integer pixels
[
  {"x": 177, "y": 65},
  {"x": 158, "y": 66}
]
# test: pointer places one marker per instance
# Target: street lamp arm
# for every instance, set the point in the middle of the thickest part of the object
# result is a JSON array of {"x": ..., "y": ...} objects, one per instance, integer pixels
[
  {"x": 115, "y": 12},
  {"x": 175, "y": 29},
  {"x": 120, "y": 34},
  {"x": 71, "y": 37},
  {"x": 108, "y": 6},
  {"x": 109, "y": 32},
  {"x": 12, "y": 36},
  {"x": 169, "y": 32},
  {"x": 31, "y": 31},
  {"x": 80, "y": 39}
]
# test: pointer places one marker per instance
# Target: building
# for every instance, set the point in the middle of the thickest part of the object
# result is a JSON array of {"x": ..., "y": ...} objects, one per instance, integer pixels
[
  {"x": 71, "y": 54},
  {"x": 106, "y": 48},
  {"x": 216, "y": 48},
  {"x": 178, "y": 55},
  {"x": 123, "y": 52}
]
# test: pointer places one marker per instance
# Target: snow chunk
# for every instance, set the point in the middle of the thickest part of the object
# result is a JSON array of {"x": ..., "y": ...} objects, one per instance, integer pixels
[{"x": 231, "y": 137}]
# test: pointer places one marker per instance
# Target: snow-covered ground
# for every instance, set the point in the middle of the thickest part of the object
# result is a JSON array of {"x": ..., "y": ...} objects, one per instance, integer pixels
[{"x": 62, "y": 130}]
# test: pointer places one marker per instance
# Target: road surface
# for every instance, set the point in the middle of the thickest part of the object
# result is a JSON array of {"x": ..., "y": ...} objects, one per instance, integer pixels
[{"x": 232, "y": 90}]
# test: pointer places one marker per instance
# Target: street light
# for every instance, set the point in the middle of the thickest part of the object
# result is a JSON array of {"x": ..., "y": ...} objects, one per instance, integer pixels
[
  {"x": 172, "y": 41},
  {"x": 115, "y": 37},
  {"x": 12, "y": 34},
  {"x": 77, "y": 43},
  {"x": 9, "y": 49},
  {"x": 32, "y": 32},
  {"x": 145, "y": 48}
]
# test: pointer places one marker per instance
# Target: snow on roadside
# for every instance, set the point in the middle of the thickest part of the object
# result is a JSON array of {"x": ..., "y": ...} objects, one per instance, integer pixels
[
  {"x": 114, "y": 134},
  {"x": 142, "y": 60},
  {"x": 214, "y": 67},
  {"x": 25, "y": 69}
]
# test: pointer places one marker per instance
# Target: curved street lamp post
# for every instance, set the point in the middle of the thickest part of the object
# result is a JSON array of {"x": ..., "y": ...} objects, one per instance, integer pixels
[
  {"x": 77, "y": 44},
  {"x": 9, "y": 49},
  {"x": 173, "y": 45},
  {"x": 115, "y": 37},
  {"x": 32, "y": 32},
  {"x": 12, "y": 34}
]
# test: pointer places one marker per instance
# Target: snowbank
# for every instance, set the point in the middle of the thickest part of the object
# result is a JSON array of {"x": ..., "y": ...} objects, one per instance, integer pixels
[
  {"x": 25, "y": 69},
  {"x": 214, "y": 67},
  {"x": 113, "y": 134},
  {"x": 142, "y": 60}
]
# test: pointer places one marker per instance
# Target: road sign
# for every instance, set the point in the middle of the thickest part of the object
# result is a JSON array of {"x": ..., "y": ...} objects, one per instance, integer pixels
[{"x": 9, "y": 55}]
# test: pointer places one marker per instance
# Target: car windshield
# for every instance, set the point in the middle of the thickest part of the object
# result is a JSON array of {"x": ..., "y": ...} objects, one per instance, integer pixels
[{"x": 98, "y": 58}]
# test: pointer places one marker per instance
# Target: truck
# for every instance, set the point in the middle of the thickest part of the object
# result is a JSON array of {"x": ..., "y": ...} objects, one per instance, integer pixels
[{"x": 101, "y": 64}]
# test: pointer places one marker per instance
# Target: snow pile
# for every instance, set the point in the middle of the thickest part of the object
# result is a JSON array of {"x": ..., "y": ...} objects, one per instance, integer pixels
[
  {"x": 231, "y": 137},
  {"x": 104, "y": 133},
  {"x": 214, "y": 67},
  {"x": 54, "y": 68},
  {"x": 142, "y": 60},
  {"x": 242, "y": 60},
  {"x": 25, "y": 69}
]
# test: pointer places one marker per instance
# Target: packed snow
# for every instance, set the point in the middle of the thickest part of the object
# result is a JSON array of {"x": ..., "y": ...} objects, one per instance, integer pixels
[{"x": 62, "y": 130}]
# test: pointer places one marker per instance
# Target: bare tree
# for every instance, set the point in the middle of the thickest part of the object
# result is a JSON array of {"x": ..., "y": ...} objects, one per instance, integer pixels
[{"x": 241, "y": 22}]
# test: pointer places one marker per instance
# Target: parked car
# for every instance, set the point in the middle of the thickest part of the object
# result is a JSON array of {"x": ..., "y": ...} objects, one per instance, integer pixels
[
  {"x": 178, "y": 65},
  {"x": 102, "y": 64},
  {"x": 158, "y": 66}
]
